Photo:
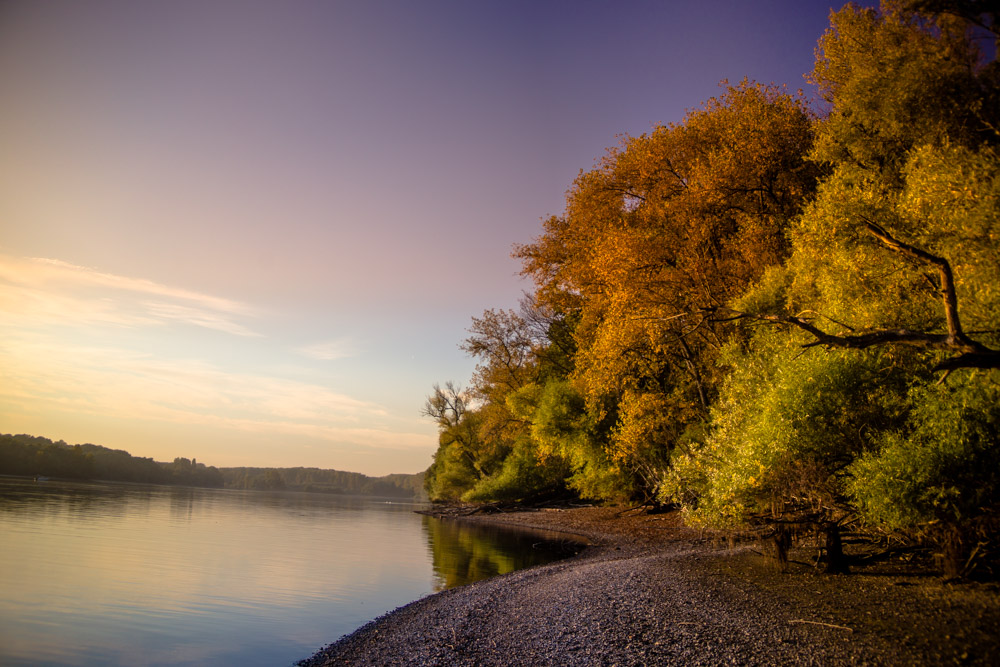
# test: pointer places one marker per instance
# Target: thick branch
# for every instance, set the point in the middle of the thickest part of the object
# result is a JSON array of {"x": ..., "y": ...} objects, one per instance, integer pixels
[
  {"x": 865, "y": 340},
  {"x": 972, "y": 354},
  {"x": 988, "y": 359},
  {"x": 948, "y": 294}
]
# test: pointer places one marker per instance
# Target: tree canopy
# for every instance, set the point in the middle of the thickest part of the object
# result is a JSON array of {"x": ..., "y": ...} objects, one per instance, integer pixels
[{"x": 771, "y": 314}]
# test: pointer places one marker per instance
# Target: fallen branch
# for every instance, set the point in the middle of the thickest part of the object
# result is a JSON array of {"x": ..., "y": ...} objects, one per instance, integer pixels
[{"x": 827, "y": 625}]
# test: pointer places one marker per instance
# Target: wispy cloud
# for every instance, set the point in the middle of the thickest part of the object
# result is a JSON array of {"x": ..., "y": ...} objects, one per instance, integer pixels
[
  {"x": 330, "y": 350},
  {"x": 78, "y": 345},
  {"x": 198, "y": 317},
  {"x": 43, "y": 291},
  {"x": 47, "y": 269},
  {"x": 49, "y": 375}
]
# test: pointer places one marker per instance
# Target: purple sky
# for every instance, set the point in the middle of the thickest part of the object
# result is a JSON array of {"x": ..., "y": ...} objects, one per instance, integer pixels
[{"x": 254, "y": 233}]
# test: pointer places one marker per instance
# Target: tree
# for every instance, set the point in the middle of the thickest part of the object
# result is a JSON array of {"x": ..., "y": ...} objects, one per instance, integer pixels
[
  {"x": 681, "y": 219},
  {"x": 786, "y": 429},
  {"x": 456, "y": 464},
  {"x": 912, "y": 138},
  {"x": 515, "y": 350},
  {"x": 940, "y": 473},
  {"x": 892, "y": 277}
]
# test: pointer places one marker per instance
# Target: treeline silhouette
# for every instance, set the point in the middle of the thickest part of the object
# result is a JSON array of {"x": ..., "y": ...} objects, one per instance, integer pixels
[
  {"x": 29, "y": 455},
  {"x": 316, "y": 480}
]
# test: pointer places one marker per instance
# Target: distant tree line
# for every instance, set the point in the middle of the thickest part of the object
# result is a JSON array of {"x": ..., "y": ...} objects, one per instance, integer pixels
[
  {"x": 316, "y": 480},
  {"x": 28, "y": 455},
  {"x": 37, "y": 456},
  {"x": 773, "y": 315}
]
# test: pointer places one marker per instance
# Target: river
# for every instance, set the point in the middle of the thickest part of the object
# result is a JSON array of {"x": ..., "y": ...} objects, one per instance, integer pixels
[{"x": 115, "y": 574}]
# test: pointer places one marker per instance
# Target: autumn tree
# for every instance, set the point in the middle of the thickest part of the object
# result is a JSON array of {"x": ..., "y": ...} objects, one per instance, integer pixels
[
  {"x": 771, "y": 317},
  {"x": 669, "y": 223}
]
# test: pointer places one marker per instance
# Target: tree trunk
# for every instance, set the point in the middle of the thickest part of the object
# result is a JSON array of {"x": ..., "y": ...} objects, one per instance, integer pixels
[
  {"x": 953, "y": 555},
  {"x": 836, "y": 562},
  {"x": 780, "y": 542}
]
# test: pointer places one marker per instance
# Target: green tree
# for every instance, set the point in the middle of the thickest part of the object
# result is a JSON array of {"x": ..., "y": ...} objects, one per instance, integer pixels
[
  {"x": 893, "y": 270},
  {"x": 488, "y": 453},
  {"x": 566, "y": 437},
  {"x": 787, "y": 428},
  {"x": 457, "y": 465},
  {"x": 940, "y": 474}
]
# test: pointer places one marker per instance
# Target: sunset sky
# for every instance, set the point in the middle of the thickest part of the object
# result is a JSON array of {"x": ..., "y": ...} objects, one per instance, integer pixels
[{"x": 254, "y": 233}]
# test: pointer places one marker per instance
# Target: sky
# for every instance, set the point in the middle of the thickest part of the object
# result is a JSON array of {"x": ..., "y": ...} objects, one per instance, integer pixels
[{"x": 255, "y": 233}]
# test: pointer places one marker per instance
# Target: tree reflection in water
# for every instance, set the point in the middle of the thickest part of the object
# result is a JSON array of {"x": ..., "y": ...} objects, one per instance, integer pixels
[{"x": 464, "y": 552}]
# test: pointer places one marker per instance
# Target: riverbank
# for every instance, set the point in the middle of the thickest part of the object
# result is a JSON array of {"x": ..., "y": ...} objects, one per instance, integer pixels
[{"x": 650, "y": 592}]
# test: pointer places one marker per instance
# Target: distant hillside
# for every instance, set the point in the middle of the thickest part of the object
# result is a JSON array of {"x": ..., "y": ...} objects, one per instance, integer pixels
[
  {"x": 34, "y": 455},
  {"x": 29, "y": 455},
  {"x": 316, "y": 480}
]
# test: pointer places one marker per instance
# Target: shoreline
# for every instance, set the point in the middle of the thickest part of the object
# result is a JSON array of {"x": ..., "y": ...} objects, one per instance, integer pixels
[{"x": 649, "y": 591}]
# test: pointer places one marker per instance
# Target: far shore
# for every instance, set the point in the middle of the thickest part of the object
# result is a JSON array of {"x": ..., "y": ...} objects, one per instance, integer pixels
[{"x": 649, "y": 591}]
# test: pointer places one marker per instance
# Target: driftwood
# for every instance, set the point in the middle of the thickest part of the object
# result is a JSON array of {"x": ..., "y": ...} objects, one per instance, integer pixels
[
  {"x": 826, "y": 625},
  {"x": 470, "y": 509}
]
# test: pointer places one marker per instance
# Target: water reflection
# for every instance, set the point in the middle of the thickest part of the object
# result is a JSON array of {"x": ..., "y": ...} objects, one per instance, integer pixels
[
  {"x": 114, "y": 574},
  {"x": 468, "y": 552}
]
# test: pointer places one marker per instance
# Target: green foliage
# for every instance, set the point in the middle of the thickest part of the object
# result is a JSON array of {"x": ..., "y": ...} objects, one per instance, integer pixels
[
  {"x": 566, "y": 431},
  {"x": 942, "y": 466},
  {"x": 522, "y": 476},
  {"x": 559, "y": 420},
  {"x": 786, "y": 427},
  {"x": 822, "y": 435},
  {"x": 951, "y": 205},
  {"x": 450, "y": 476},
  {"x": 896, "y": 80}
]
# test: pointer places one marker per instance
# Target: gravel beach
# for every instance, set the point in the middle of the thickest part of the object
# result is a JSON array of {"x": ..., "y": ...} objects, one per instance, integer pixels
[{"x": 650, "y": 592}]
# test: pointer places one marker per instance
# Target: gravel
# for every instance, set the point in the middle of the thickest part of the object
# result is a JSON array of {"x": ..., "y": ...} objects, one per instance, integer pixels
[{"x": 650, "y": 592}]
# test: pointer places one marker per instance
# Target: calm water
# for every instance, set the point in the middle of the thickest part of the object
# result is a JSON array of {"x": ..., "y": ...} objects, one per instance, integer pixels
[{"x": 95, "y": 574}]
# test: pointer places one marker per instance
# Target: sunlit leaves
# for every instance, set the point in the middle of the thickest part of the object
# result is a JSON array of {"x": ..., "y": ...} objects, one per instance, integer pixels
[
  {"x": 670, "y": 222},
  {"x": 894, "y": 80},
  {"x": 784, "y": 429},
  {"x": 945, "y": 466},
  {"x": 567, "y": 433},
  {"x": 826, "y": 434},
  {"x": 635, "y": 385}
]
